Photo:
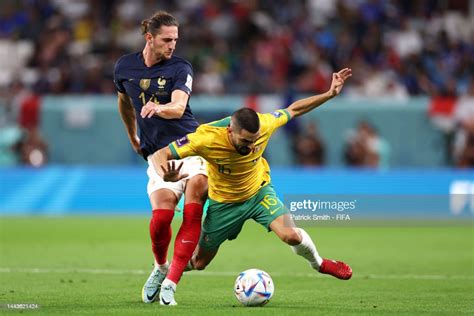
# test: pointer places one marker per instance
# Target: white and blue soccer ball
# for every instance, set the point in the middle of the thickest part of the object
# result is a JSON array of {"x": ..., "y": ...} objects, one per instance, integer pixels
[{"x": 254, "y": 287}]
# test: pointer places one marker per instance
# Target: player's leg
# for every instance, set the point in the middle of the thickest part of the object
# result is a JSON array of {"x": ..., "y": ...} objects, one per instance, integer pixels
[
  {"x": 163, "y": 199},
  {"x": 270, "y": 212},
  {"x": 202, "y": 257},
  {"x": 163, "y": 202},
  {"x": 190, "y": 230},
  {"x": 302, "y": 244},
  {"x": 204, "y": 253},
  {"x": 223, "y": 222},
  {"x": 285, "y": 228}
]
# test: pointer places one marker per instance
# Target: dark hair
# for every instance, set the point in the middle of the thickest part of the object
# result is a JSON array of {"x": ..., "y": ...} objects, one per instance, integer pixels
[
  {"x": 158, "y": 19},
  {"x": 247, "y": 119}
]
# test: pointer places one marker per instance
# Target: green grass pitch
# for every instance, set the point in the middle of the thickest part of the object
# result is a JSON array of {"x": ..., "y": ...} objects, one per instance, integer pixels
[{"x": 97, "y": 265}]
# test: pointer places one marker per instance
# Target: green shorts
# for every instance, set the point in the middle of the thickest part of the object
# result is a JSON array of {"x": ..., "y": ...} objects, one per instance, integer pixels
[{"x": 225, "y": 220}]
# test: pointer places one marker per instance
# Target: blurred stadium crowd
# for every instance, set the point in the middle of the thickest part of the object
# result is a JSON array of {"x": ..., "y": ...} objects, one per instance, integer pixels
[{"x": 397, "y": 49}]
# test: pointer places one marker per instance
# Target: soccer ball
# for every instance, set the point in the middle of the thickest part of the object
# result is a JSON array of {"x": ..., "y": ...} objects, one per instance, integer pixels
[{"x": 254, "y": 287}]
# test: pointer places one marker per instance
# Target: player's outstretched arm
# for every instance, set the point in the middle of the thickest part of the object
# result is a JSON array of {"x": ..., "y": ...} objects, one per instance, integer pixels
[
  {"x": 303, "y": 106},
  {"x": 127, "y": 113},
  {"x": 171, "y": 110},
  {"x": 168, "y": 170}
]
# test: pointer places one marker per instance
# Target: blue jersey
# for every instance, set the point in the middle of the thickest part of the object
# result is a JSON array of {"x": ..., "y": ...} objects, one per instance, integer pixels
[{"x": 156, "y": 83}]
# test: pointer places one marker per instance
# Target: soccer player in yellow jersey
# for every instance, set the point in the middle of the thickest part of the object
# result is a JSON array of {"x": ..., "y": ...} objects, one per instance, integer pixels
[{"x": 239, "y": 181}]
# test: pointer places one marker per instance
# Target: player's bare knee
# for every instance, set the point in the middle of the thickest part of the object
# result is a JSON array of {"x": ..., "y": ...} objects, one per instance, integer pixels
[
  {"x": 198, "y": 184},
  {"x": 163, "y": 199},
  {"x": 196, "y": 188},
  {"x": 291, "y": 236},
  {"x": 199, "y": 264},
  {"x": 201, "y": 259}
]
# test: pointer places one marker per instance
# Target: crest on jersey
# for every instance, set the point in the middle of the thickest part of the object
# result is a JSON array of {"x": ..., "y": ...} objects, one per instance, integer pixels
[
  {"x": 145, "y": 84},
  {"x": 161, "y": 82}
]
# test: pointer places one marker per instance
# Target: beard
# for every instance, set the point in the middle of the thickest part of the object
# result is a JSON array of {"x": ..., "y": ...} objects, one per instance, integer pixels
[
  {"x": 167, "y": 55},
  {"x": 244, "y": 151},
  {"x": 162, "y": 55}
]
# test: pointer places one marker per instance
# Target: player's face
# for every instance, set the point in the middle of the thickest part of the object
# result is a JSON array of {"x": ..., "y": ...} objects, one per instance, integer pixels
[
  {"x": 163, "y": 44},
  {"x": 243, "y": 141}
]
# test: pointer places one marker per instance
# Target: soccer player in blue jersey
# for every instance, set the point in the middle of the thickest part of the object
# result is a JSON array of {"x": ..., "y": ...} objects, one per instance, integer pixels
[{"x": 153, "y": 93}]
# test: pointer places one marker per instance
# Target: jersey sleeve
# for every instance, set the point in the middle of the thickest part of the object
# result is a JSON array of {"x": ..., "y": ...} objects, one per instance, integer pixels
[
  {"x": 274, "y": 120},
  {"x": 189, "y": 145},
  {"x": 117, "y": 78},
  {"x": 184, "y": 79}
]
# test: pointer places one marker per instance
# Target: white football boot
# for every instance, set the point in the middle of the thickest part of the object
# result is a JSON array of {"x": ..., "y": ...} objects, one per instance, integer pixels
[
  {"x": 167, "y": 294},
  {"x": 152, "y": 287}
]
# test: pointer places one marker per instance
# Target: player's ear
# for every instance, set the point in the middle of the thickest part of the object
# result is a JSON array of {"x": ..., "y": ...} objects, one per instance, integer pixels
[{"x": 148, "y": 37}]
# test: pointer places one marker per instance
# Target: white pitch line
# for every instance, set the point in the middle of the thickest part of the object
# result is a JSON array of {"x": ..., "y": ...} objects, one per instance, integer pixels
[{"x": 232, "y": 274}]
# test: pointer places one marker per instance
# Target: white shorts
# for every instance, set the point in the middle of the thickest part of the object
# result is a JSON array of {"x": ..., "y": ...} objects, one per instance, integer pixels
[{"x": 193, "y": 165}]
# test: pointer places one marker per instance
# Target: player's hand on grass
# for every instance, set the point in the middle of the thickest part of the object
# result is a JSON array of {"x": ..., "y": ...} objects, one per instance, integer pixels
[
  {"x": 150, "y": 109},
  {"x": 172, "y": 172},
  {"x": 338, "y": 79}
]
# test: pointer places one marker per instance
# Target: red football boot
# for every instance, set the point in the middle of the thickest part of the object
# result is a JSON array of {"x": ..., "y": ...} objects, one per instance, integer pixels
[{"x": 337, "y": 269}]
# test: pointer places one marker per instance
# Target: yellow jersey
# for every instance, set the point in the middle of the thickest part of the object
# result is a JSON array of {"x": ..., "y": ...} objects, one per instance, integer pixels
[{"x": 232, "y": 177}]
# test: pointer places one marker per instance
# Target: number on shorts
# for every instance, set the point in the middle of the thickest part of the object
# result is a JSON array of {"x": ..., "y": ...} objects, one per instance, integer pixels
[{"x": 268, "y": 201}]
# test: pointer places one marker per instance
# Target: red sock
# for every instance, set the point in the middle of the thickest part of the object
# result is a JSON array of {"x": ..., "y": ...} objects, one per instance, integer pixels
[
  {"x": 160, "y": 233},
  {"x": 186, "y": 240}
]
